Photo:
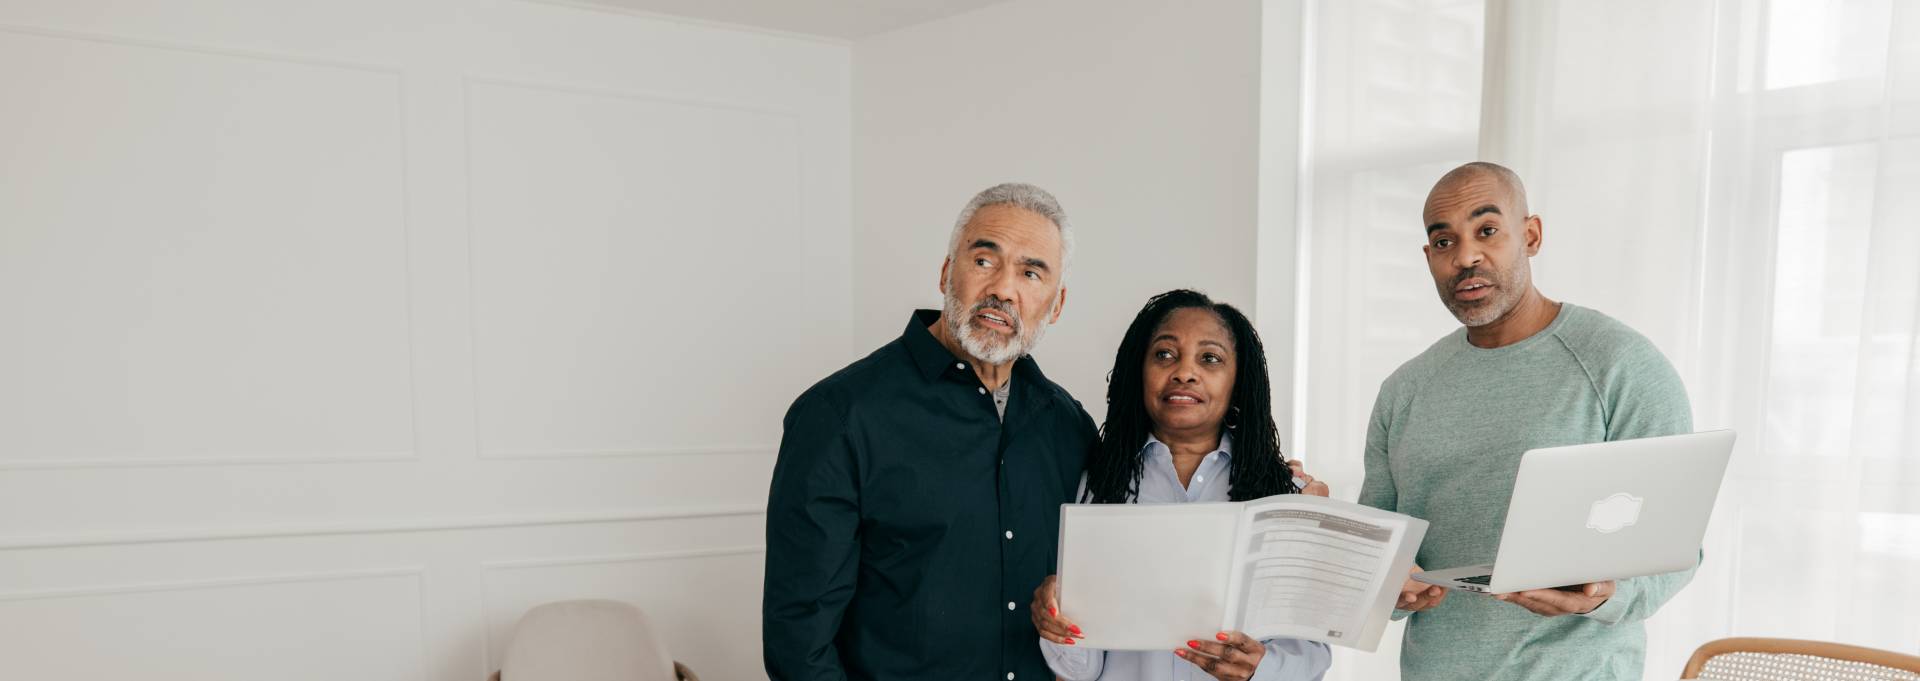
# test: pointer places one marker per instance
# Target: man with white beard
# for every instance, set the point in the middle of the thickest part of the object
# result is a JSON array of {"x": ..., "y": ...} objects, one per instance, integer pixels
[{"x": 915, "y": 504}]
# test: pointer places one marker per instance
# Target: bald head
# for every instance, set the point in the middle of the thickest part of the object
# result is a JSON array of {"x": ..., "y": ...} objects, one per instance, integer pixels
[
  {"x": 1479, "y": 238},
  {"x": 1477, "y": 180}
]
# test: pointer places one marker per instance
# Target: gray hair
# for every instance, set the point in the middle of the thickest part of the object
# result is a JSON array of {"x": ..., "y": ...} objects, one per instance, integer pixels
[{"x": 1020, "y": 195}]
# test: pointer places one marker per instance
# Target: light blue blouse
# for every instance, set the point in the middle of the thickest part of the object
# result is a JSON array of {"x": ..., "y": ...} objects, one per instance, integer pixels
[{"x": 1287, "y": 659}]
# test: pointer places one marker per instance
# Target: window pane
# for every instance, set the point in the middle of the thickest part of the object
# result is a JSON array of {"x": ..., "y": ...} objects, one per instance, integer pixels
[
  {"x": 1820, "y": 280},
  {"x": 1817, "y": 41}
]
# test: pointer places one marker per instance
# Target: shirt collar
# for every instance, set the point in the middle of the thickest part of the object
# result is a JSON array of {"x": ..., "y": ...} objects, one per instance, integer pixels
[
  {"x": 1154, "y": 447},
  {"x": 933, "y": 359}
]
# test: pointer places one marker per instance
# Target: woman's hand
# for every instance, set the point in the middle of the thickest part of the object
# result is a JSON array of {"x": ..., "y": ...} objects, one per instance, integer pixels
[
  {"x": 1045, "y": 611},
  {"x": 1308, "y": 485},
  {"x": 1232, "y": 658}
]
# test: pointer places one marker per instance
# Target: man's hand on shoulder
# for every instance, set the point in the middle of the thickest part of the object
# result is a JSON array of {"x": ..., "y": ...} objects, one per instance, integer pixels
[{"x": 1579, "y": 599}]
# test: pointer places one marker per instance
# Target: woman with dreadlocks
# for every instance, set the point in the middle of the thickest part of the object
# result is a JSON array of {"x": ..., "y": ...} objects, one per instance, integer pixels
[{"x": 1189, "y": 419}]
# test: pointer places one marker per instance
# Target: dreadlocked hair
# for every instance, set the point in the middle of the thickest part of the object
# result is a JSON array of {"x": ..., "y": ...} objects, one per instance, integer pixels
[{"x": 1257, "y": 468}]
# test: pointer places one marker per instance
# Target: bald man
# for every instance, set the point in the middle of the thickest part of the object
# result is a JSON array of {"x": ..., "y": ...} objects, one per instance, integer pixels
[{"x": 1449, "y": 426}]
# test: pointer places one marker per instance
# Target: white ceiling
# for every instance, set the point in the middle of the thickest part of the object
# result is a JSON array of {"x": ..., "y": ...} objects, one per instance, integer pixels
[{"x": 845, "y": 19}]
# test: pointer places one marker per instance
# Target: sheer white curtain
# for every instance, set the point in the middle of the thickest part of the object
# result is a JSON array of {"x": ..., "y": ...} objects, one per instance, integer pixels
[
  {"x": 1393, "y": 100},
  {"x": 1737, "y": 179}
]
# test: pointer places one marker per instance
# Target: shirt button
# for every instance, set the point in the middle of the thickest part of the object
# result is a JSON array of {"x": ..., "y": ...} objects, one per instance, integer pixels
[
  {"x": 983, "y": 390},
  {"x": 960, "y": 365},
  {"x": 1009, "y": 676},
  {"x": 1199, "y": 478},
  {"x": 1009, "y": 534},
  {"x": 1009, "y": 605}
]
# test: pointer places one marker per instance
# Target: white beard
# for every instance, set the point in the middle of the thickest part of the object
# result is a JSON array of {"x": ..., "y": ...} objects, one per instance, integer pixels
[{"x": 993, "y": 349}]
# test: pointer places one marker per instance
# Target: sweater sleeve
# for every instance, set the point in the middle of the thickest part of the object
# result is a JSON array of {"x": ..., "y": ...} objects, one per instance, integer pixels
[{"x": 1376, "y": 488}]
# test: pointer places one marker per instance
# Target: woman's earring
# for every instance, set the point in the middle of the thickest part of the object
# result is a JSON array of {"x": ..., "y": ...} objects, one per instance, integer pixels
[{"x": 1233, "y": 418}]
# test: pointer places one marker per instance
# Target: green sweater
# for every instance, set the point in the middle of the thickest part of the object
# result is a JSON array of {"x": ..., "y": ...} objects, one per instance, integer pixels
[{"x": 1444, "y": 444}]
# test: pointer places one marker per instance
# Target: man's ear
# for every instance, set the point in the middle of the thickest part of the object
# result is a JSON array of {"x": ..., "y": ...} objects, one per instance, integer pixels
[
  {"x": 944, "y": 265},
  {"x": 1535, "y": 235},
  {"x": 1059, "y": 303}
]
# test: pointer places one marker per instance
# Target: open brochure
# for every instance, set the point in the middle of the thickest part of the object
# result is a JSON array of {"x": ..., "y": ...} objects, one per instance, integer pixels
[{"x": 1153, "y": 576}]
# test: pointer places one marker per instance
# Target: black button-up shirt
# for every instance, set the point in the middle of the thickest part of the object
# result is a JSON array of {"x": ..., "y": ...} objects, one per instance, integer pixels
[{"x": 908, "y": 524}]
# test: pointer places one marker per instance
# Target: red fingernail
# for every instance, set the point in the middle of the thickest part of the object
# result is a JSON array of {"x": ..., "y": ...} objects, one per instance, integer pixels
[
  {"x": 1075, "y": 630},
  {"x": 1069, "y": 641},
  {"x": 1193, "y": 644},
  {"x": 1053, "y": 611},
  {"x": 1221, "y": 636},
  {"x": 1181, "y": 653}
]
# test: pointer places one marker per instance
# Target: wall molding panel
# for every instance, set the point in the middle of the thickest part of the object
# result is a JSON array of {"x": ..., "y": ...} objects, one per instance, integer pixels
[
  {"x": 140, "y": 462},
  {"x": 204, "y": 229},
  {"x": 419, "y": 573},
  {"x": 277, "y": 620},
  {"x": 216, "y": 50},
  {"x": 662, "y": 97},
  {"x": 394, "y": 527},
  {"x": 591, "y": 219},
  {"x": 687, "y": 554},
  {"x": 750, "y": 450}
]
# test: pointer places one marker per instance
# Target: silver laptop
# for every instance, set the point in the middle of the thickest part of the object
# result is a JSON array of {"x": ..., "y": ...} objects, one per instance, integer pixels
[{"x": 1608, "y": 510}]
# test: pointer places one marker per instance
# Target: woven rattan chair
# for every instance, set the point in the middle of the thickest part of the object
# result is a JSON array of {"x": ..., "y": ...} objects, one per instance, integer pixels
[{"x": 1785, "y": 659}]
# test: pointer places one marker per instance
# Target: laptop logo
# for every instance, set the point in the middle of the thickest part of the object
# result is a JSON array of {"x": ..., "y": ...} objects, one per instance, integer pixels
[{"x": 1618, "y": 511}]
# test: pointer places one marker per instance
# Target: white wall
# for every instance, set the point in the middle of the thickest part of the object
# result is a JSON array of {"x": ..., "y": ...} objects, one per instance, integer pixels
[
  {"x": 337, "y": 334},
  {"x": 1141, "y": 116}
]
